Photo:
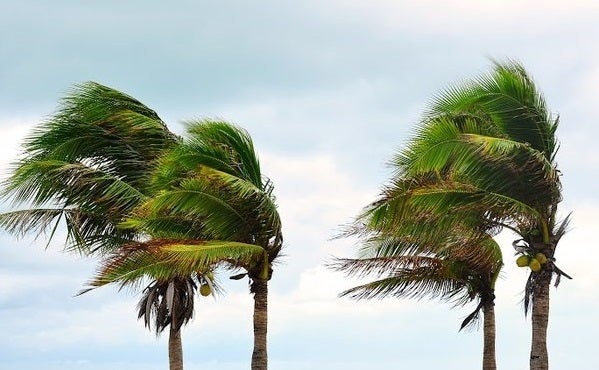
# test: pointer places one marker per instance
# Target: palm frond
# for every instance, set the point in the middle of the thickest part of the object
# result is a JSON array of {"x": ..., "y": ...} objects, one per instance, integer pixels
[
  {"x": 193, "y": 201},
  {"x": 167, "y": 259},
  {"x": 226, "y": 206},
  {"x": 215, "y": 144},
  {"x": 225, "y": 140},
  {"x": 507, "y": 96},
  {"x": 379, "y": 266},
  {"x": 411, "y": 283},
  {"x": 166, "y": 303},
  {"x": 458, "y": 149},
  {"x": 92, "y": 159},
  {"x": 446, "y": 202},
  {"x": 36, "y": 221}
]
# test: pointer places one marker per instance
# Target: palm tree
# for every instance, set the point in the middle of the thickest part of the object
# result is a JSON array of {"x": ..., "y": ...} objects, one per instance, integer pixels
[
  {"x": 454, "y": 265},
  {"x": 88, "y": 165},
  {"x": 165, "y": 302},
  {"x": 488, "y": 147},
  {"x": 170, "y": 304},
  {"x": 212, "y": 208}
]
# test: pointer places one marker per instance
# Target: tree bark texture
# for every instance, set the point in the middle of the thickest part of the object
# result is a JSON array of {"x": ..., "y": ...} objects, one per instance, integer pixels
[
  {"x": 539, "y": 358},
  {"x": 175, "y": 350},
  {"x": 259, "y": 356},
  {"x": 489, "y": 362}
]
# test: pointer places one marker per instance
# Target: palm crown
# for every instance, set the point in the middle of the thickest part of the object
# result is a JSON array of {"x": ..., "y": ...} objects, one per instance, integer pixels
[
  {"x": 87, "y": 165},
  {"x": 482, "y": 159},
  {"x": 212, "y": 208}
]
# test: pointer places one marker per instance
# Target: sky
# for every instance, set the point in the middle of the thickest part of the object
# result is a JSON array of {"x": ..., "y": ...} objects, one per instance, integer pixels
[{"x": 329, "y": 90}]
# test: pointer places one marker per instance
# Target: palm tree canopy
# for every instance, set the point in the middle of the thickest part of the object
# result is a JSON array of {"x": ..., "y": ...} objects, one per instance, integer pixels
[
  {"x": 88, "y": 165},
  {"x": 509, "y": 98},
  {"x": 458, "y": 273},
  {"x": 488, "y": 147},
  {"x": 212, "y": 208},
  {"x": 209, "y": 187}
]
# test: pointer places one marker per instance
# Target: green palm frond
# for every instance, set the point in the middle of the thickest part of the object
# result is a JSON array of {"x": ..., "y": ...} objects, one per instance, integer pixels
[
  {"x": 36, "y": 221},
  {"x": 239, "y": 191},
  {"x": 194, "y": 202},
  {"x": 92, "y": 159},
  {"x": 166, "y": 225},
  {"x": 231, "y": 142},
  {"x": 85, "y": 232},
  {"x": 209, "y": 180},
  {"x": 410, "y": 283},
  {"x": 71, "y": 184},
  {"x": 215, "y": 144},
  {"x": 507, "y": 96},
  {"x": 93, "y": 202},
  {"x": 168, "y": 259},
  {"x": 380, "y": 266},
  {"x": 472, "y": 156},
  {"x": 408, "y": 207},
  {"x": 105, "y": 127},
  {"x": 457, "y": 274},
  {"x": 464, "y": 150}
]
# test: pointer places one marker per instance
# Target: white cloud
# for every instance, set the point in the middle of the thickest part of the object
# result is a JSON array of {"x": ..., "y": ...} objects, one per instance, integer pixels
[
  {"x": 461, "y": 16},
  {"x": 12, "y": 132},
  {"x": 110, "y": 325},
  {"x": 577, "y": 253}
]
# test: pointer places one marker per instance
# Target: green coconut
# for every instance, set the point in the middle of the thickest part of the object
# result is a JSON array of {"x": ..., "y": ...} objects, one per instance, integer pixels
[
  {"x": 205, "y": 290},
  {"x": 534, "y": 265},
  {"x": 522, "y": 261},
  {"x": 541, "y": 258}
]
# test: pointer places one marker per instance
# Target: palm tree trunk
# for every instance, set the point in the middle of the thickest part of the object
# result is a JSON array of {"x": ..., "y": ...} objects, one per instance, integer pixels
[
  {"x": 175, "y": 347},
  {"x": 259, "y": 356},
  {"x": 175, "y": 350},
  {"x": 489, "y": 362},
  {"x": 539, "y": 358}
]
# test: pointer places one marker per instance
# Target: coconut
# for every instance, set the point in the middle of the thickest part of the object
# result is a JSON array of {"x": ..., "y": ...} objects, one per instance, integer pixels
[
  {"x": 534, "y": 265},
  {"x": 522, "y": 261},
  {"x": 541, "y": 258},
  {"x": 205, "y": 290}
]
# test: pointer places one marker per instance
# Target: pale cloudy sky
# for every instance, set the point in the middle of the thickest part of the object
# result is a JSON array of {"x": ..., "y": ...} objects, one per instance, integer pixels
[{"x": 328, "y": 90}]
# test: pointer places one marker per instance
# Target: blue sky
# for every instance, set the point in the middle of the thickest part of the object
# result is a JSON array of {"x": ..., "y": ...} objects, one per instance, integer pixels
[{"x": 328, "y": 90}]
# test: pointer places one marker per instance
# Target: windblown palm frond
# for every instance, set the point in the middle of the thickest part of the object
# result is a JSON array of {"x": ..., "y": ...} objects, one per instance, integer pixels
[
  {"x": 509, "y": 98},
  {"x": 168, "y": 259},
  {"x": 484, "y": 167},
  {"x": 166, "y": 303},
  {"x": 455, "y": 274},
  {"x": 483, "y": 159},
  {"x": 214, "y": 144},
  {"x": 212, "y": 179},
  {"x": 237, "y": 209},
  {"x": 91, "y": 159}
]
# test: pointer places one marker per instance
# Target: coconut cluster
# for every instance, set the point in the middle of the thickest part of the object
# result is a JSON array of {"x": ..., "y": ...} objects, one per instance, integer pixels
[{"x": 533, "y": 262}]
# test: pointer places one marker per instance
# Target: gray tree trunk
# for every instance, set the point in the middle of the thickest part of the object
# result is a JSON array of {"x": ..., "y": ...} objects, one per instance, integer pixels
[
  {"x": 489, "y": 362},
  {"x": 539, "y": 358},
  {"x": 175, "y": 347},
  {"x": 259, "y": 356},
  {"x": 175, "y": 350}
]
